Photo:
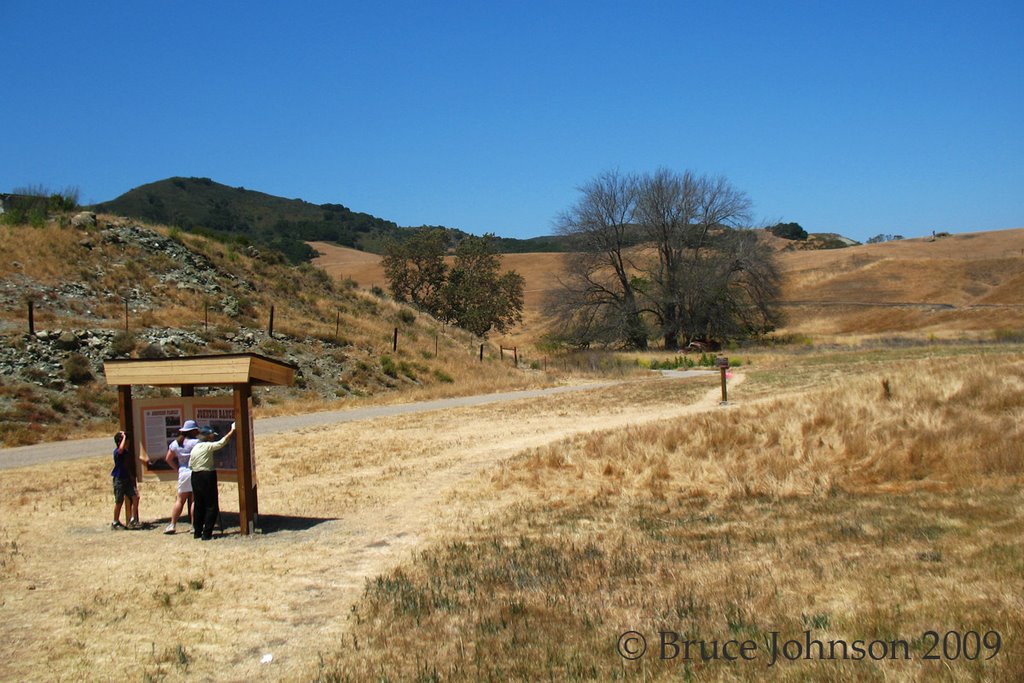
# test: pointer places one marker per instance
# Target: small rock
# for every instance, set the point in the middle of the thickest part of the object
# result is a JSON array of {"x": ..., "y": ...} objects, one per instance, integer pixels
[
  {"x": 68, "y": 341},
  {"x": 85, "y": 219}
]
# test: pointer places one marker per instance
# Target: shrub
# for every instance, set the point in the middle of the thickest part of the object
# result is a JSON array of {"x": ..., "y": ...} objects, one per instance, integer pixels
[
  {"x": 408, "y": 370},
  {"x": 388, "y": 367},
  {"x": 273, "y": 347},
  {"x": 123, "y": 343},
  {"x": 77, "y": 369},
  {"x": 152, "y": 352},
  {"x": 789, "y": 231},
  {"x": 1007, "y": 335}
]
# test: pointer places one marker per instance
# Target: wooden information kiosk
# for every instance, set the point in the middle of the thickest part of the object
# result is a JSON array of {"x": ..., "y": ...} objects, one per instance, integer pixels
[{"x": 240, "y": 371}]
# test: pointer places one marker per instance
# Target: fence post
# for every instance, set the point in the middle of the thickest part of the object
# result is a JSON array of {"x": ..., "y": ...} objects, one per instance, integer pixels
[
  {"x": 337, "y": 325},
  {"x": 481, "y": 353},
  {"x": 394, "y": 344},
  {"x": 270, "y": 325},
  {"x": 31, "y": 319},
  {"x": 435, "y": 345},
  {"x": 515, "y": 355}
]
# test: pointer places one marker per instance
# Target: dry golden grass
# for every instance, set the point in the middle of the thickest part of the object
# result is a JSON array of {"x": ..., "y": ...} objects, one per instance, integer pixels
[
  {"x": 981, "y": 274},
  {"x": 924, "y": 425},
  {"x": 341, "y": 504},
  {"x": 972, "y": 271},
  {"x": 881, "y": 508}
]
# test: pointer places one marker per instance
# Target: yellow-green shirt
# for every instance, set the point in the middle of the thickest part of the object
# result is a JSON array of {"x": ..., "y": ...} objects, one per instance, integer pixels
[{"x": 201, "y": 459}]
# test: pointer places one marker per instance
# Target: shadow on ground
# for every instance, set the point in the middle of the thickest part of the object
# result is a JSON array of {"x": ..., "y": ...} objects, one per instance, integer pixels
[{"x": 270, "y": 524}]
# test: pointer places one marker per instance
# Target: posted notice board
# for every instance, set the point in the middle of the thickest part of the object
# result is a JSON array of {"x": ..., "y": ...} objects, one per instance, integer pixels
[{"x": 157, "y": 421}]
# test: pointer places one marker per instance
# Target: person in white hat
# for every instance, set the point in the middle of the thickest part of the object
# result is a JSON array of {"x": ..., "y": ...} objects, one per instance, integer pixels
[{"x": 178, "y": 453}]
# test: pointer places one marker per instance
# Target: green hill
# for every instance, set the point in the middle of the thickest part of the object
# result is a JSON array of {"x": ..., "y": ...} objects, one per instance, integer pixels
[
  {"x": 246, "y": 216},
  {"x": 235, "y": 214}
]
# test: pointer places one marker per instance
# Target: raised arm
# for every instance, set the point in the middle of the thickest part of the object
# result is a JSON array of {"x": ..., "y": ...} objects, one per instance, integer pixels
[{"x": 217, "y": 445}]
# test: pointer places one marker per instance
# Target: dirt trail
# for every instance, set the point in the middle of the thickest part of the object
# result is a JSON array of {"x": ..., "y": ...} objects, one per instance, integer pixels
[
  {"x": 350, "y": 501},
  {"x": 426, "y": 501}
]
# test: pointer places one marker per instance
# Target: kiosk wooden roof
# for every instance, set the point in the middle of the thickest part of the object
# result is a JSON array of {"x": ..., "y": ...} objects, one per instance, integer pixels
[
  {"x": 206, "y": 371},
  {"x": 239, "y": 370}
]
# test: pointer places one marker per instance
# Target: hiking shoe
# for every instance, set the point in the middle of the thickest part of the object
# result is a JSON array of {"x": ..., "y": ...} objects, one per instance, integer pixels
[
  {"x": 133, "y": 524},
  {"x": 169, "y": 529},
  {"x": 116, "y": 524}
]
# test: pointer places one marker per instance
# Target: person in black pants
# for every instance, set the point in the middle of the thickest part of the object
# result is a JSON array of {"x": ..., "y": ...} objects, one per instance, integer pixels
[{"x": 204, "y": 481}]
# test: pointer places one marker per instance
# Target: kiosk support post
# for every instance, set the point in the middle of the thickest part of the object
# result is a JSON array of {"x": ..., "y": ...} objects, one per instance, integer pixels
[
  {"x": 127, "y": 422},
  {"x": 247, "y": 505}
]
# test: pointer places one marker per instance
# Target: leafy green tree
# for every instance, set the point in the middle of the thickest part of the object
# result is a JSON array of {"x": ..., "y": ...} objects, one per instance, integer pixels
[
  {"x": 415, "y": 268},
  {"x": 477, "y": 296},
  {"x": 789, "y": 231}
]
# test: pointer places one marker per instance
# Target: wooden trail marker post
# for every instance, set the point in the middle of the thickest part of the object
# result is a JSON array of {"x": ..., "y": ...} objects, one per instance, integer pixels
[
  {"x": 723, "y": 365},
  {"x": 239, "y": 371}
]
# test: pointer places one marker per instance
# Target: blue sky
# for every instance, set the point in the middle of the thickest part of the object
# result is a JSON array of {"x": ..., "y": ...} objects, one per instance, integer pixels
[{"x": 859, "y": 118}]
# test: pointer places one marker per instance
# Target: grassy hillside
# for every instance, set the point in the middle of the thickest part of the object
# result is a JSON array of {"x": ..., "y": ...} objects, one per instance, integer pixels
[
  {"x": 968, "y": 283},
  {"x": 971, "y": 283},
  {"x": 188, "y": 295},
  {"x": 540, "y": 270}
]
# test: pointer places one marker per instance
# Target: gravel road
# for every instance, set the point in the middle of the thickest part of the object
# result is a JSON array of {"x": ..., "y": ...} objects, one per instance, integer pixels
[{"x": 27, "y": 456}]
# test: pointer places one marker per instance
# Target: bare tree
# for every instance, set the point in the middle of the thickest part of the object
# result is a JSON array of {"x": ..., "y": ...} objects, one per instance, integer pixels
[
  {"x": 699, "y": 275},
  {"x": 599, "y": 301},
  {"x": 666, "y": 208},
  {"x": 688, "y": 220},
  {"x": 730, "y": 288}
]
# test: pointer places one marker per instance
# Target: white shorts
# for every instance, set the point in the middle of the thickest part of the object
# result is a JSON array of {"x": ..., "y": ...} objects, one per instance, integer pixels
[{"x": 184, "y": 480}]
